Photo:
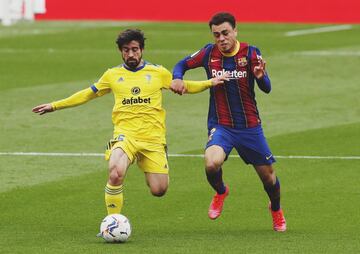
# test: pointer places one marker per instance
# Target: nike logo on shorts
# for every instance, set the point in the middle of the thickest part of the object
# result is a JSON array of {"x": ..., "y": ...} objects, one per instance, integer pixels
[{"x": 268, "y": 157}]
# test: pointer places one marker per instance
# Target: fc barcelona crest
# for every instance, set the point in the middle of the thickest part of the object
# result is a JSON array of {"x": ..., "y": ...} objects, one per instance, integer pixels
[{"x": 242, "y": 61}]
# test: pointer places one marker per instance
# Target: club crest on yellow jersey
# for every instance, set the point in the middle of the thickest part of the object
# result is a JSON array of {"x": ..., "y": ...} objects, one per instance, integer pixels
[{"x": 148, "y": 78}]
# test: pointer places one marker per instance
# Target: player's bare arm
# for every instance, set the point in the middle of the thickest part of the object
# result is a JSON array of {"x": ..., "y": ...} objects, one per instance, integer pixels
[{"x": 43, "y": 109}]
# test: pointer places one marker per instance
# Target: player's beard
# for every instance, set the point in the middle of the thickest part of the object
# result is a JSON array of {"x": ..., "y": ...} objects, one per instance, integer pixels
[{"x": 132, "y": 63}]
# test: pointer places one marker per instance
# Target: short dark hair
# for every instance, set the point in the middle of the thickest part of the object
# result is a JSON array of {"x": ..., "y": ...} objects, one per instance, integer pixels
[
  {"x": 222, "y": 17},
  {"x": 129, "y": 35}
]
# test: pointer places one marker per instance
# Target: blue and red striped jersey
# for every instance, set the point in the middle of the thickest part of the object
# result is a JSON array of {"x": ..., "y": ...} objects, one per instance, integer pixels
[{"x": 232, "y": 104}]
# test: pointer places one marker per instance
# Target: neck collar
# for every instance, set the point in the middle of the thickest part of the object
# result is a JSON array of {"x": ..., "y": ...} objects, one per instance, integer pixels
[{"x": 137, "y": 68}]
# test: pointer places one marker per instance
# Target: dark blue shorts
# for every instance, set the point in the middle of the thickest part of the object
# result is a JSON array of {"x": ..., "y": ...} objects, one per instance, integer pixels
[{"x": 250, "y": 143}]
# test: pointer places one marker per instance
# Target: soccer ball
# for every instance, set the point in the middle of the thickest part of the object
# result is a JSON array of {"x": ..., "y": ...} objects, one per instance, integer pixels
[{"x": 115, "y": 228}]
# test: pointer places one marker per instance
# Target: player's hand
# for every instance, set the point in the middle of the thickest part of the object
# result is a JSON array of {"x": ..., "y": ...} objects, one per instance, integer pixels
[
  {"x": 43, "y": 109},
  {"x": 220, "y": 79},
  {"x": 178, "y": 86},
  {"x": 259, "y": 70}
]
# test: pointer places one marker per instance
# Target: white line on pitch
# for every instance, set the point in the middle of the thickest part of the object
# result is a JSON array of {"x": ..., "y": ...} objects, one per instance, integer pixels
[
  {"x": 319, "y": 30},
  {"x": 175, "y": 155},
  {"x": 328, "y": 53}
]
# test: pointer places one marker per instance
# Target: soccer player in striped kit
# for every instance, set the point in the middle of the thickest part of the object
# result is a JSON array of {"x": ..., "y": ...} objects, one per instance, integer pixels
[{"x": 233, "y": 118}]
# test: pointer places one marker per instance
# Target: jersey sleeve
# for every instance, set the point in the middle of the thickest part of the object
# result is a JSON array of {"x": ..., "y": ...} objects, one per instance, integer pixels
[
  {"x": 74, "y": 100},
  {"x": 190, "y": 62},
  {"x": 165, "y": 77},
  {"x": 264, "y": 83},
  {"x": 103, "y": 85},
  {"x": 197, "y": 86},
  {"x": 98, "y": 89}
]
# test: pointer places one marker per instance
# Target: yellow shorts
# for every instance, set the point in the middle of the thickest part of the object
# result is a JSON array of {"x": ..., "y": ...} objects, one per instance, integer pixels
[{"x": 150, "y": 157}]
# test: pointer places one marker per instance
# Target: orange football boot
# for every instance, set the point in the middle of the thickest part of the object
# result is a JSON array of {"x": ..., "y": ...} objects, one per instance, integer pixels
[{"x": 217, "y": 204}]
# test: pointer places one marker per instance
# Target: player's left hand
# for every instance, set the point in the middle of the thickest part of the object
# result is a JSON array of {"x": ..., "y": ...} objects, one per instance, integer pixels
[
  {"x": 259, "y": 70},
  {"x": 220, "y": 79}
]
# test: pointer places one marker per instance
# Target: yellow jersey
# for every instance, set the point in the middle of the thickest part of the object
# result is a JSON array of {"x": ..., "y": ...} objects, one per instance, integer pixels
[{"x": 138, "y": 110}]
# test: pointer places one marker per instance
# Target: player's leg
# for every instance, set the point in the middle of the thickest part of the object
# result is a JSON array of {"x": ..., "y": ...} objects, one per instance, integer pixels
[
  {"x": 272, "y": 187},
  {"x": 152, "y": 159},
  {"x": 158, "y": 183},
  {"x": 120, "y": 153},
  {"x": 271, "y": 184},
  {"x": 218, "y": 147},
  {"x": 252, "y": 147},
  {"x": 118, "y": 165},
  {"x": 214, "y": 158}
]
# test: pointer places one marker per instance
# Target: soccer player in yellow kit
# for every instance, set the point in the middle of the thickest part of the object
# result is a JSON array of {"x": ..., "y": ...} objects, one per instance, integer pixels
[{"x": 138, "y": 117}]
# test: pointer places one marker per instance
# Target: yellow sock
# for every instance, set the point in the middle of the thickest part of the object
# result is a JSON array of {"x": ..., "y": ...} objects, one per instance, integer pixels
[{"x": 114, "y": 198}]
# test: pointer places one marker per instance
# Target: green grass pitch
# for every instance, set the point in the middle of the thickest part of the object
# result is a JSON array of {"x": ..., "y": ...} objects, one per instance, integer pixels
[{"x": 55, "y": 204}]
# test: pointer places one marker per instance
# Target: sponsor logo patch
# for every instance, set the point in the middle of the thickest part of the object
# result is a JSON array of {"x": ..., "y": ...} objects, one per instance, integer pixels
[
  {"x": 135, "y": 90},
  {"x": 135, "y": 100},
  {"x": 232, "y": 74}
]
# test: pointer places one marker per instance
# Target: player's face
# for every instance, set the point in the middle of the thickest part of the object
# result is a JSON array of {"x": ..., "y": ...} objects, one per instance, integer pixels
[
  {"x": 132, "y": 54},
  {"x": 225, "y": 37}
]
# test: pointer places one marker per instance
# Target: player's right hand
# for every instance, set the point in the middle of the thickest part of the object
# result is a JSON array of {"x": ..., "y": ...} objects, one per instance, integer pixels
[
  {"x": 43, "y": 109},
  {"x": 178, "y": 86},
  {"x": 220, "y": 79}
]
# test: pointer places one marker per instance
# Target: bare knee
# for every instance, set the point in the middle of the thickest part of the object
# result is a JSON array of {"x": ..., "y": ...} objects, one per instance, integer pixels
[
  {"x": 266, "y": 174},
  {"x": 212, "y": 165},
  {"x": 118, "y": 164},
  {"x": 269, "y": 180},
  {"x": 115, "y": 175},
  {"x": 158, "y": 191},
  {"x": 214, "y": 158},
  {"x": 158, "y": 183}
]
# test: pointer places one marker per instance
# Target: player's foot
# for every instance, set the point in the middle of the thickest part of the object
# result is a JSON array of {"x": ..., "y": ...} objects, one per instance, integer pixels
[
  {"x": 279, "y": 222},
  {"x": 217, "y": 204},
  {"x": 99, "y": 235}
]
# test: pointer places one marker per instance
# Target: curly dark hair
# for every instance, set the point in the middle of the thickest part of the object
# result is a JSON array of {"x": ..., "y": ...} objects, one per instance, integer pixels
[
  {"x": 129, "y": 35},
  {"x": 222, "y": 17}
]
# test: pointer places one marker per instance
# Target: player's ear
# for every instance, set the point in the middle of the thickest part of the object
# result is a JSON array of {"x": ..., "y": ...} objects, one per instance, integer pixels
[{"x": 235, "y": 31}]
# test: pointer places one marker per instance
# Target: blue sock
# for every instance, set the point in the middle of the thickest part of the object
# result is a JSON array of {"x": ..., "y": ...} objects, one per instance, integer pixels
[
  {"x": 216, "y": 181},
  {"x": 274, "y": 195}
]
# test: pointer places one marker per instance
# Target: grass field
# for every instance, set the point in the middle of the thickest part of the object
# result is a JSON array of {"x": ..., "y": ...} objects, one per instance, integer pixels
[{"x": 55, "y": 204}]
